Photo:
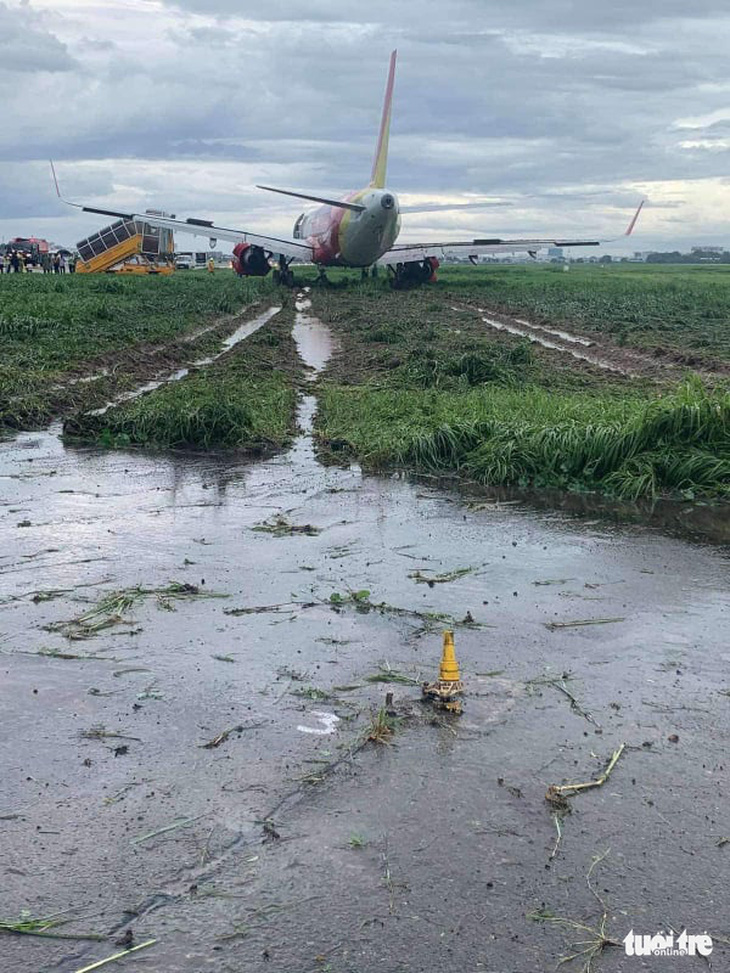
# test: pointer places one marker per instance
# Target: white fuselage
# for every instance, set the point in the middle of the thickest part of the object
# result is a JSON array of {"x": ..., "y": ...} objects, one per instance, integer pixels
[{"x": 342, "y": 237}]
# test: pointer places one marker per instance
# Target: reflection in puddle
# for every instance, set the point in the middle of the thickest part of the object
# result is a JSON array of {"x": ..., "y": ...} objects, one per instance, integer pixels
[
  {"x": 328, "y": 724},
  {"x": 315, "y": 346},
  {"x": 313, "y": 339}
]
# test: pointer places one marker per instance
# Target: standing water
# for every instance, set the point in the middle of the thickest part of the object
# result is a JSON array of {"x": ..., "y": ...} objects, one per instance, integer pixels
[{"x": 188, "y": 737}]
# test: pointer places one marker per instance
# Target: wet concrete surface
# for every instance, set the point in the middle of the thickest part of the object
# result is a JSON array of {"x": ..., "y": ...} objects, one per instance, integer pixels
[{"x": 426, "y": 854}]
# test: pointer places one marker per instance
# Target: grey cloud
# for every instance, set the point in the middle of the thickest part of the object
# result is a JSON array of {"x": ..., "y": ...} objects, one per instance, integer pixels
[
  {"x": 25, "y": 45},
  {"x": 475, "y": 14},
  {"x": 294, "y": 89}
]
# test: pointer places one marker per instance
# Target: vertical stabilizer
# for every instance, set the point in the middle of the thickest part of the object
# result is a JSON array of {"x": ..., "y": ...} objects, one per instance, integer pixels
[{"x": 380, "y": 162}]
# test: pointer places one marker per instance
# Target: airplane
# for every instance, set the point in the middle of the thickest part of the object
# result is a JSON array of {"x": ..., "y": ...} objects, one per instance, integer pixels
[{"x": 358, "y": 230}]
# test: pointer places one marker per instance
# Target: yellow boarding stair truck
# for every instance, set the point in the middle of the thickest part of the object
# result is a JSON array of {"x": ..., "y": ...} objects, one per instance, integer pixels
[{"x": 128, "y": 247}]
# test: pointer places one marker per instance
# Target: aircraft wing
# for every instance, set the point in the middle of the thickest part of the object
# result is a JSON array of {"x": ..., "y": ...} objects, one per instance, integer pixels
[
  {"x": 407, "y": 252},
  {"x": 294, "y": 249}
]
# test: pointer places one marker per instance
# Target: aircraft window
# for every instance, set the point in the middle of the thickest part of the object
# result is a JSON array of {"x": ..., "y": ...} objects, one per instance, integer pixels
[{"x": 298, "y": 227}]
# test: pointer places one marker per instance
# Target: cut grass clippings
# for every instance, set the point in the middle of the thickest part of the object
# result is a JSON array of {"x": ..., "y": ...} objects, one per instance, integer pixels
[
  {"x": 556, "y": 795},
  {"x": 582, "y": 622},
  {"x": 44, "y": 926},
  {"x": 280, "y": 526},
  {"x": 112, "y": 607},
  {"x": 432, "y": 579},
  {"x": 112, "y": 959},
  {"x": 388, "y": 675},
  {"x": 179, "y": 823}
]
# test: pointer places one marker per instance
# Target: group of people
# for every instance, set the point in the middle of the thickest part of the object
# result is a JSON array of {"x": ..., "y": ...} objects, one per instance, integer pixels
[{"x": 20, "y": 262}]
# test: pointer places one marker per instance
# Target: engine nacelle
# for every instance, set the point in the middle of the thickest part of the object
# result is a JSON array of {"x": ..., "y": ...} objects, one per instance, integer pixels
[{"x": 250, "y": 261}]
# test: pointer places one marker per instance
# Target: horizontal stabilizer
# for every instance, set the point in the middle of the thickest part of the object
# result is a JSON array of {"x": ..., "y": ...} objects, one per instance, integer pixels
[
  {"x": 448, "y": 207},
  {"x": 354, "y": 207}
]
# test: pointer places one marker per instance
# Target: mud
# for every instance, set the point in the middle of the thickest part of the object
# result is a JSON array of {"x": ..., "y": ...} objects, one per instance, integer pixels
[{"x": 295, "y": 847}]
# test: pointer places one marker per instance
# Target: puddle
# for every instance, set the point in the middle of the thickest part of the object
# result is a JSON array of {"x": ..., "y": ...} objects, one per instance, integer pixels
[
  {"x": 313, "y": 339},
  {"x": 315, "y": 346},
  {"x": 558, "y": 334},
  {"x": 240, "y": 334},
  {"x": 118, "y": 519},
  {"x": 328, "y": 723}
]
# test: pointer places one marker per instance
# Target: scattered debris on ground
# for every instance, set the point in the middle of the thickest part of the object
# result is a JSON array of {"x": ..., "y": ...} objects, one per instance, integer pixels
[
  {"x": 579, "y": 622},
  {"x": 382, "y": 727},
  {"x": 117, "y": 956},
  {"x": 111, "y": 609},
  {"x": 100, "y": 732},
  {"x": 311, "y": 692},
  {"x": 223, "y": 736},
  {"x": 281, "y": 526},
  {"x": 557, "y": 794},
  {"x": 178, "y": 823},
  {"x": 558, "y": 682},
  {"x": 387, "y": 674},
  {"x": 433, "y": 579},
  {"x": 45, "y": 926},
  {"x": 590, "y": 949}
]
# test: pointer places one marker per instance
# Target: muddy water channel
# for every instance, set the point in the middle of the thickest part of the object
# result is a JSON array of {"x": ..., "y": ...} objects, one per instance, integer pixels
[{"x": 192, "y": 767}]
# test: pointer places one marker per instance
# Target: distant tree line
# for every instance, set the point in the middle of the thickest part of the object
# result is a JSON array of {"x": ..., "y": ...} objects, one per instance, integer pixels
[{"x": 700, "y": 257}]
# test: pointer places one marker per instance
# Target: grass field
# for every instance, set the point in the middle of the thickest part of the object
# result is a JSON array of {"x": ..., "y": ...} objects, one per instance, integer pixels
[
  {"x": 683, "y": 309},
  {"x": 244, "y": 401},
  {"x": 55, "y": 328},
  {"x": 420, "y": 381},
  {"x": 422, "y": 385}
]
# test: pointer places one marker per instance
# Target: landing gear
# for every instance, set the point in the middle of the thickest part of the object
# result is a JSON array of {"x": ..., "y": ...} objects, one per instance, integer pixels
[
  {"x": 322, "y": 279},
  {"x": 282, "y": 275},
  {"x": 413, "y": 273},
  {"x": 368, "y": 272}
]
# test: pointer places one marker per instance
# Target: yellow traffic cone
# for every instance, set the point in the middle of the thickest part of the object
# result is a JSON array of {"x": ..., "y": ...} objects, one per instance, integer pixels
[{"x": 449, "y": 669}]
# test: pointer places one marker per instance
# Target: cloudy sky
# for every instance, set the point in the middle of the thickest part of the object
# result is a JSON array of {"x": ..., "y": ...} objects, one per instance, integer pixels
[{"x": 558, "y": 116}]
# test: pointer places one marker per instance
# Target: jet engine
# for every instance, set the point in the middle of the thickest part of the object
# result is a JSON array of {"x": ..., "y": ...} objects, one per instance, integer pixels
[{"x": 250, "y": 261}]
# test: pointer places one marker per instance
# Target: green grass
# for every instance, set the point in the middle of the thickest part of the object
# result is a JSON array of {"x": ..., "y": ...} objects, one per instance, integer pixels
[
  {"x": 424, "y": 386},
  {"x": 52, "y": 329},
  {"x": 418, "y": 340},
  {"x": 205, "y": 412},
  {"x": 676, "y": 310},
  {"x": 684, "y": 310},
  {"x": 630, "y": 446},
  {"x": 244, "y": 401}
]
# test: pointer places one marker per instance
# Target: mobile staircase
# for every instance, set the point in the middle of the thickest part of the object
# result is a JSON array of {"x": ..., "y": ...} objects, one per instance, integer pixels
[{"x": 127, "y": 247}]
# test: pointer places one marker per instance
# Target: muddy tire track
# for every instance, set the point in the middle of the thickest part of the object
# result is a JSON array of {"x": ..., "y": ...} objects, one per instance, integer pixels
[
  {"x": 243, "y": 331},
  {"x": 102, "y": 378},
  {"x": 594, "y": 351}
]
